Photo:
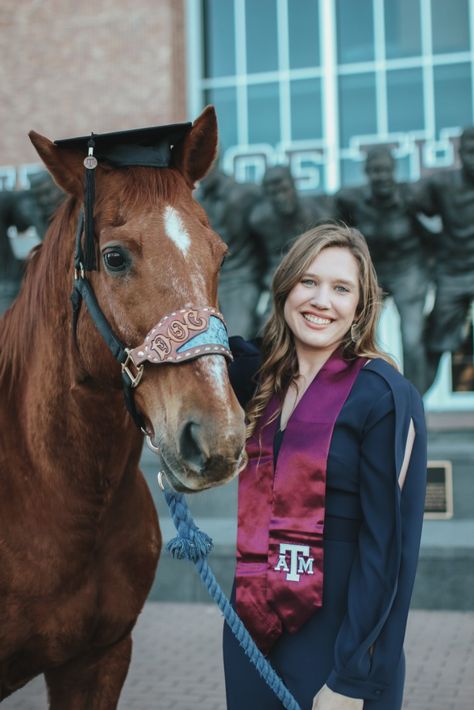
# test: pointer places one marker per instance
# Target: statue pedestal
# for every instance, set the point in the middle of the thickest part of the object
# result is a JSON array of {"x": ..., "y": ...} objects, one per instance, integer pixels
[{"x": 445, "y": 578}]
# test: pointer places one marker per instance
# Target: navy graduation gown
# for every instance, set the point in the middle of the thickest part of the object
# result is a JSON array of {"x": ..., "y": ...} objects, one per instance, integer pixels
[{"x": 354, "y": 643}]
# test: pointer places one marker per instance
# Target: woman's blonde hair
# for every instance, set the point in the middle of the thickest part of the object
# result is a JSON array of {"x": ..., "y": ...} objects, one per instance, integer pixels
[{"x": 279, "y": 362}]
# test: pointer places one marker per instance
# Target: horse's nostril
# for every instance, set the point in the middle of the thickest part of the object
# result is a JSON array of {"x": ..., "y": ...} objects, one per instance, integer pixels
[{"x": 192, "y": 447}]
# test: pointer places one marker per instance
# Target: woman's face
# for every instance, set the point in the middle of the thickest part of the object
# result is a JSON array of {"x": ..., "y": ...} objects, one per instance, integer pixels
[{"x": 321, "y": 307}]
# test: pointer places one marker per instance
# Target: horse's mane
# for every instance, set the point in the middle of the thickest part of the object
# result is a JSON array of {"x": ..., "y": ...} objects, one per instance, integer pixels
[
  {"x": 45, "y": 290},
  {"x": 42, "y": 289}
]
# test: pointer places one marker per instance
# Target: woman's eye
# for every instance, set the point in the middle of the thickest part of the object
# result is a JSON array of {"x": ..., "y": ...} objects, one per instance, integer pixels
[
  {"x": 114, "y": 260},
  {"x": 342, "y": 289},
  {"x": 308, "y": 282}
]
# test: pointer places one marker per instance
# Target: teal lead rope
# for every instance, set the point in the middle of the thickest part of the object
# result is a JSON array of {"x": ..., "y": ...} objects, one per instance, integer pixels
[{"x": 193, "y": 544}]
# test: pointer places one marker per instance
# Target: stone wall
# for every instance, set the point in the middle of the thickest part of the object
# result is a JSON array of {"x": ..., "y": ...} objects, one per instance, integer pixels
[{"x": 68, "y": 68}]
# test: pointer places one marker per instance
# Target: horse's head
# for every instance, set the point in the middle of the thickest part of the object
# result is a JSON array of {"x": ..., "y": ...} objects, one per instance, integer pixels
[{"x": 156, "y": 255}]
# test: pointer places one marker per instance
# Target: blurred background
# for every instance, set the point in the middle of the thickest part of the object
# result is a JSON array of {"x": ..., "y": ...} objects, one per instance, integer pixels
[{"x": 311, "y": 85}]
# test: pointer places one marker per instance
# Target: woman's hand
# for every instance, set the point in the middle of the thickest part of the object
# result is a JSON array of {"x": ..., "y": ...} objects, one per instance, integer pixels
[{"x": 327, "y": 699}]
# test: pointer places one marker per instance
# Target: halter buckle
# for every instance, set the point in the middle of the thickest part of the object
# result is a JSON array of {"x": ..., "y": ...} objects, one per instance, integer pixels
[
  {"x": 128, "y": 368},
  {"x": 79, "y": 272}
]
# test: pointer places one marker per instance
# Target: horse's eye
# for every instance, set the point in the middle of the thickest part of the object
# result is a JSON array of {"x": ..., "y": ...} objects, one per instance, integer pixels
[{"x": 115, "y": 260}]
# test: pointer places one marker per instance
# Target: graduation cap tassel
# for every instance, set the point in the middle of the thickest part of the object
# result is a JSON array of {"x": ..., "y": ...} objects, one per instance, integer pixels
[{"x": 89, "y": 197}]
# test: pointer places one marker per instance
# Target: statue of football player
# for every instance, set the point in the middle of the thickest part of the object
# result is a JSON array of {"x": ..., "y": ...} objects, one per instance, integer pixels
[
  {"x": 17, "y": 209},
  {"x": 383, "y": 210},
  {"x": 228, "y": 205},
  {"x": 450, "y": 195},
  {"x": 279, "y": 217}
]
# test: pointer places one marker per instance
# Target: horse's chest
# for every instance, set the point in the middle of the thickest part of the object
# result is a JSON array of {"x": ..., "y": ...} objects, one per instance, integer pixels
[{"x": 46, "y": 631}]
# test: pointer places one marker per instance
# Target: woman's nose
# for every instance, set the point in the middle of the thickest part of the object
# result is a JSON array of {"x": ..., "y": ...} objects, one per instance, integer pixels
[{"x": 320, "y": 298}]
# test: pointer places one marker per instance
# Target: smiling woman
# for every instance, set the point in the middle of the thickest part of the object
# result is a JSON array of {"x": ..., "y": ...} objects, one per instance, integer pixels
[{"x": 331, "y": 501}]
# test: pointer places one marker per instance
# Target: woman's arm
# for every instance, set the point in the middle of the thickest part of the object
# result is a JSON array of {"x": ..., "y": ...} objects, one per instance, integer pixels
[
  {"x": 370, "y": 640},
  {"x": 243, "y": 369}
]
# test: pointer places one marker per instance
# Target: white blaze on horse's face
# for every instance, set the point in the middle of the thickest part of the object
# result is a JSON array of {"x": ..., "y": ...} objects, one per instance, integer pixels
[
  {"x": 179, "y": 234},
  {"x": 176, "y": 230},
  {"x": 214, "y": 368}
]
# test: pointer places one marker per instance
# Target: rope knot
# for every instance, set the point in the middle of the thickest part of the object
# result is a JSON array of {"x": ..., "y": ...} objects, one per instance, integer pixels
[{"x": 191, "y": 543}]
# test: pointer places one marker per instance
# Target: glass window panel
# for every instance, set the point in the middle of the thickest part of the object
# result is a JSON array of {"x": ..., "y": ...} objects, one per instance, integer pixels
[
  {"x": 357, "y": 106},
  {"x": 402, "y": 28},
  {"x": 264, "y": 113},
  {"x": 403, "y": 169},
  {"x": 453, "y": 96},
  {"x": 219, "y": 37},
  {"x": 450, "y": 24},
  {"x": 225, "y": 101},
  {"x": 405, "y": 100},
  {"x": 261, "y": 35},
  {"x": 355, "y": 31},
  {"x": 306, "y": 118},
  {"x": 352, "y": 172},
  {"x": 303, "y": 33}
]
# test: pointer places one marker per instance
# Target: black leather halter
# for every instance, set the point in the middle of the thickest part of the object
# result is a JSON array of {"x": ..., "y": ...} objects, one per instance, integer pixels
[{"x": 83, "y": 291}]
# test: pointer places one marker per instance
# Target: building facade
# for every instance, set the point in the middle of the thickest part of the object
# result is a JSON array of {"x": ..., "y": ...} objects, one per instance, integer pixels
[
  {"x": 69, "y": 68},
  {"x": 314, "y": 83},
  {"x": 311, "y": 83}
]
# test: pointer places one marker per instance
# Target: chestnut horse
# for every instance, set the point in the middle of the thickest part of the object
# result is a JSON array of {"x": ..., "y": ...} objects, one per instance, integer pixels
[{"x": 79, "y": 535}]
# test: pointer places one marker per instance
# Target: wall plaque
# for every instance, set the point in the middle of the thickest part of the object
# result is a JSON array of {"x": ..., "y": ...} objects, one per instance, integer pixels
[{"x": 439, "y": 491}]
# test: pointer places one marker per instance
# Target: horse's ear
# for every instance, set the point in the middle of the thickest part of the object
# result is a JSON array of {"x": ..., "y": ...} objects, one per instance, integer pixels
[
  {"x": 66, "y": 166},
  {"x": 197, "y": 152}
]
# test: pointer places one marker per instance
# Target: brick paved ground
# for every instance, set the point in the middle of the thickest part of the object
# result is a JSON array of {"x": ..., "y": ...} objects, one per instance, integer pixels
[{"x": 177, "y": 662}]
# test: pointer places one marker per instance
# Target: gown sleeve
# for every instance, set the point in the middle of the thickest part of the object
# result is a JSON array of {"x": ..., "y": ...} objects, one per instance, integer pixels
[
  {"x": 392, "y": 493},
  {"x": 243, "y": 369}
]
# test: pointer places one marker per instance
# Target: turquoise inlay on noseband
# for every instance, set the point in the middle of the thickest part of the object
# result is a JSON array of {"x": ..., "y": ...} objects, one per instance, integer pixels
[{"x": 216, "y": 334}]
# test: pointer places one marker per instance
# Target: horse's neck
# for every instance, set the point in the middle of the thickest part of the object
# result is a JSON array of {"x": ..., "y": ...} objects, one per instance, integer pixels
[
  {"x": 47, "y": 403},
  {"x": 69, "y": 419}
]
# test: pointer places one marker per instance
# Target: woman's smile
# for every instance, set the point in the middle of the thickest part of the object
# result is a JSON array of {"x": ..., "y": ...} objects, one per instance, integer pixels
[{"x": 316, "y": 320}]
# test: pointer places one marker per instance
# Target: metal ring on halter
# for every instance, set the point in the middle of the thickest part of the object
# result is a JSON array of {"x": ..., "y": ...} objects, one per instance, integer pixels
[
  {"x": 150, "y": 444},
  {"x": 161, "y": 475}
]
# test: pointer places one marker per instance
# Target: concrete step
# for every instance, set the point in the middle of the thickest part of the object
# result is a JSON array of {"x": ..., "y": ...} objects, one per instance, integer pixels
[{"x": 445, "y": 576}]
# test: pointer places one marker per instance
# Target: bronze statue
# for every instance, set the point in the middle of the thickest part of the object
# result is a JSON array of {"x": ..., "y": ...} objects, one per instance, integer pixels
[
  {"x": 228, "y": 204},
  {"x": 450, "y": 194},
  {"x": 384, "y": 212},
  {"x": 23, "y": 209},
  {"x": 16, "y": 209},
  {"x": 281, "y": 216}
]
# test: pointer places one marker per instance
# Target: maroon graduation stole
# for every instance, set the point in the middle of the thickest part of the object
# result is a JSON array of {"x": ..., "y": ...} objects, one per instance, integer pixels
[{"x": 279, "y": 576}]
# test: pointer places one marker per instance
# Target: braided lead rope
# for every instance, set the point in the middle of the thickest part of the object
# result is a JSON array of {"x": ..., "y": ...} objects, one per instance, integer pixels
[{"x": 193, "y": 544}]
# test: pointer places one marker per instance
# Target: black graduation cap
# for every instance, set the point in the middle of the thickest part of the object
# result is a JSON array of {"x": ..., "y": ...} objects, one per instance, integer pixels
[{"x": 146, "y": 147}]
